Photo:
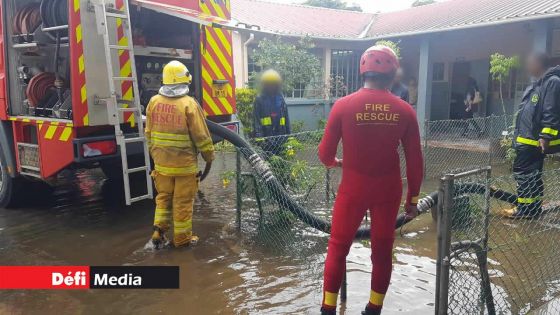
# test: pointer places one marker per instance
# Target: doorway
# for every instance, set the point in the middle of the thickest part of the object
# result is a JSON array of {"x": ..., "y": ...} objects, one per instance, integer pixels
[{"x": 459, "y": 81}]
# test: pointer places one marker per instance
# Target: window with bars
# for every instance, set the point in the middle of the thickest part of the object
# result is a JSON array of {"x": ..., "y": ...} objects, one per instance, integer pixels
[
  {"x": 345, "y": 72},
  {"x": 313, "y": 89},
  {"x": 252, "y": 67}
]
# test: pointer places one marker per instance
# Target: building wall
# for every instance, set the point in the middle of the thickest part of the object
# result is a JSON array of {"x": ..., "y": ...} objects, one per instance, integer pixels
[
  {"x": 471, "y": 45},
  {"x": 474, "y": 46}
]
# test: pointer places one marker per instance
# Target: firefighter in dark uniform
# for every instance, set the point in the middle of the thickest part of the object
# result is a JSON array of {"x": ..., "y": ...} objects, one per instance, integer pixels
[
  {"x": 271, "y": 120},
  {"x": 536, "y": 134}
]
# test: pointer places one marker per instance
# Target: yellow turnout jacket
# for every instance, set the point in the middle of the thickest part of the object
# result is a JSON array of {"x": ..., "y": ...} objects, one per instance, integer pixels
[{"x": 176, "y": 131}]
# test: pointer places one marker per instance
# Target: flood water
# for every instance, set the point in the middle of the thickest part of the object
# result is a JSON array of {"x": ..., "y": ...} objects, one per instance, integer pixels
[{"x": 228, "y": 272}]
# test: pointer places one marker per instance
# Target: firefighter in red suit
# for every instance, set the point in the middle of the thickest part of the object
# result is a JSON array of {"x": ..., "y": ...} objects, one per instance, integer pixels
[{"x": 371, "y": 123}]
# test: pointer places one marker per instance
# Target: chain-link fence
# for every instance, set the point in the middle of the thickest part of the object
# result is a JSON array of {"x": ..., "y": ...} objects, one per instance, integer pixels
[
  {"x": 498, "y": 244},
  {"x": 281, "y": 213},
  {"x": 294, "y": 161},
  {"x": 457, "y": 144}
]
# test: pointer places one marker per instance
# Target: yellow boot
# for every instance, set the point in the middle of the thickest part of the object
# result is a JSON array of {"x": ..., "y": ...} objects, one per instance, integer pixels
[
  {"x": 508, "y": 213},
  {"x": 184, "y": 243},
  {"x": 159, "y": 239},
  {"x": 514, "y": 213}
]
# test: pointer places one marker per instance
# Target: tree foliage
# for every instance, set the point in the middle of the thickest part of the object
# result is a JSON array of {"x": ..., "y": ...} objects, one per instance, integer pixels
[
  {"x": 419, "y": 3},
  {"x": 500, "y": 70},
  {"x": 333, "y": 4},
  {"x": 501, "y": 66},
  {"x": 295, "y": 62},
  {"x": 393, "y": 45}
]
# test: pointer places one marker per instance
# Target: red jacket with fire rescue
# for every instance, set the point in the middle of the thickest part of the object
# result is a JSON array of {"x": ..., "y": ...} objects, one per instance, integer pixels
[{"x": 372, "y": 124}]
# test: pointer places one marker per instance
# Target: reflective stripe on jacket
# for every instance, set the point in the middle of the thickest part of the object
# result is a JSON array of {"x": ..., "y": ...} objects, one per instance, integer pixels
[
  {"x": 176, "y": 131},
  {"x": 539, "y": 113},
  {"x": 269, "y": 120}
]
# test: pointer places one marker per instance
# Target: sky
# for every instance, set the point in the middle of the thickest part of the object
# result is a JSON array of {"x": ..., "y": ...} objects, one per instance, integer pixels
[{"x": 370, "y": 5}]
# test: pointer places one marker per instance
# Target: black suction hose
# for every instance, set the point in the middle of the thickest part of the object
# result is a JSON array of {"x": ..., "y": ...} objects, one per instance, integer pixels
[{"x": 283, "y": 197}]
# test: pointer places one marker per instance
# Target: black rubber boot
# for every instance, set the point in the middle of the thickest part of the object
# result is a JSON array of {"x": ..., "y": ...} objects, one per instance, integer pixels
[
  {"x": 369, "y": 311},
  {"x": 327, "y": 312}
]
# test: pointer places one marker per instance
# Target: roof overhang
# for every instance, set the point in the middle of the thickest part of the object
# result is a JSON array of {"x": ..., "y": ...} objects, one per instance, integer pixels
[
  {"x": 364, "y": 37},
  {"x": 465, "y": 26},
  {"x": 185, "y": 14}
]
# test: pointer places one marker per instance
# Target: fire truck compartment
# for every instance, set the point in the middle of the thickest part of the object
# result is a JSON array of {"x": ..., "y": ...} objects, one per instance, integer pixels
[
  {"x": 158, "y": 39},
  {"x": 37, "y": 58}
]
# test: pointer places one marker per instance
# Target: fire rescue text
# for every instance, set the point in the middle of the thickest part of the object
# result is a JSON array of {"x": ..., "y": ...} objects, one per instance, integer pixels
[
  {"x": 167, "y": 114},
  {"x": 380, "y": 113}
]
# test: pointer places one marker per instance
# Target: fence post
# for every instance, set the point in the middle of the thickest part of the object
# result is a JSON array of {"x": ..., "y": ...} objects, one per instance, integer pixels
[
  {"x": 483, "y": 261},
  {"x": 445, "y": 205},
  {"x": 426, "y": 136},
  {"x": 328, "y": 185},
  {"x": 344, "y": 287},
  {"x": 239, "y": 189},
  {"x": 490, "y": 120}
]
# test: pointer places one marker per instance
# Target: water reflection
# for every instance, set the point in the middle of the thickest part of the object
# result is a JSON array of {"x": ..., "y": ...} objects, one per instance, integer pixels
[{"x": 230, "y": 271}]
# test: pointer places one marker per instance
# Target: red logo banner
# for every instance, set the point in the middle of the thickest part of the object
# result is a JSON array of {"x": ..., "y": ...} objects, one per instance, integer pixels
[{"x": 44, "y": 277}]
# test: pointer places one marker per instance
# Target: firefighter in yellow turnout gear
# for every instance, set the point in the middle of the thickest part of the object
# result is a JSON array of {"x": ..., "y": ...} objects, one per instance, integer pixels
[{"x": 177, "y": 132}]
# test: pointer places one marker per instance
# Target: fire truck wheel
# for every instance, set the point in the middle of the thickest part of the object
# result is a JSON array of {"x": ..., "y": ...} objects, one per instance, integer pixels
[{"x": 11, "y": 189}]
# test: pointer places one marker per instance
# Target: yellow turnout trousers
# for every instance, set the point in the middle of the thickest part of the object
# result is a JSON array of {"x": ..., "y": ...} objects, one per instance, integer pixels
[{"x": 175, "y": 195}]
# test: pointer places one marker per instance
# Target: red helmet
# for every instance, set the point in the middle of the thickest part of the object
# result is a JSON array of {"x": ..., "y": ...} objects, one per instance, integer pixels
[{"x": 379, "y": 59}]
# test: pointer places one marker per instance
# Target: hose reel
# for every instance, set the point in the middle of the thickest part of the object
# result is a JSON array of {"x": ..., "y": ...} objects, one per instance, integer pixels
[
  {"x": 39, "y": 88},
  {"x": 26, "y": 21},
  {"x": 55, "y": 13}
]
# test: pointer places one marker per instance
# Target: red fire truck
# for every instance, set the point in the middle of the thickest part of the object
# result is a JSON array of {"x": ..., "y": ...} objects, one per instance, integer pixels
[{"x": 76, "y": 75}]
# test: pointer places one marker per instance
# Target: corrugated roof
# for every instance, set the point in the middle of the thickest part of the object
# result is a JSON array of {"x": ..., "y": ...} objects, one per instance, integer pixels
[
  {"x": 300, "y": 20},
  {"x": 459, "y": 14}
]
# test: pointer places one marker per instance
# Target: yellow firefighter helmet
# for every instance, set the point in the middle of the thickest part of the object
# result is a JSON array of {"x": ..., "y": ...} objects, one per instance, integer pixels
[
  {"x": 271, "y": 77},
  {"x": 176, "y": 72}
]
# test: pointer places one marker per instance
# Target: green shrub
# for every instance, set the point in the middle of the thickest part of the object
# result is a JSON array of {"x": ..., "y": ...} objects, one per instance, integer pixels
[
  {"x": 245, "y": 98},
  {"x": 295, "y": 61},
  {"x": 395, "y": 46},
  {"x": 297, "y": 126}
]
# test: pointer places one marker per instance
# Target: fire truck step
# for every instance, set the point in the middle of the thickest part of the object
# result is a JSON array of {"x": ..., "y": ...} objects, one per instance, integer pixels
[
  {"x": 137, "y": 169},
  {"x": 128, "y": 109},
  {"x": 139, "y": 198},
  {"x": 117, "y": 15},
  {"x": 132, "y": 79},
  {"x": 117, "y": 47},
  {"x": 136, "y": 139}
]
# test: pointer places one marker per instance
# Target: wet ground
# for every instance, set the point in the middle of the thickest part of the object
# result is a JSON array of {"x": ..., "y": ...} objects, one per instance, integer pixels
[{"x": 228, "y": 272}]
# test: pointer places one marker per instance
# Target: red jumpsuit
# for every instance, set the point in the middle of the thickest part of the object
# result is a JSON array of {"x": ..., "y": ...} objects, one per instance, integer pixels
[{"x": 371, "y": 124}]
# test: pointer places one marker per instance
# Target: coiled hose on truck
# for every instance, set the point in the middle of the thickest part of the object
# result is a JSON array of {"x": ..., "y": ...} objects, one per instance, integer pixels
[{"x": 283, "y": 198}]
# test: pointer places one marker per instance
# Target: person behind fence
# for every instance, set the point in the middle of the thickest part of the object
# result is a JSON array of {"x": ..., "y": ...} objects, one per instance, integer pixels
[
  {"x": 398, "y": 88},
  {"x": 413, "y": 92},
  {"x": 176, "y": 132},
  {"x": 371, "y": 123},
  {"x": 537, "y": 126},
  {"x": 270, "y": 114},
  {"x": 472, "y": 101}
]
